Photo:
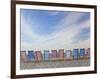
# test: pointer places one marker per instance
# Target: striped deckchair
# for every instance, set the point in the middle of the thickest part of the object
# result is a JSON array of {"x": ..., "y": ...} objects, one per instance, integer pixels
[
  {"x": 82, "y": 53},
  {"x": 60, "y": 54},
  {"x": 68, "y": 54},
  {"x": 46, "y": 55},
  {"x": 23, "y": 56},
  {"x": 53, "y": 55},
  {"x": 38, "y": 55},
  {"x": 75, "y": 53},
  {"x": 87, "y": 52},
  {"x": 31, "y": 55}
]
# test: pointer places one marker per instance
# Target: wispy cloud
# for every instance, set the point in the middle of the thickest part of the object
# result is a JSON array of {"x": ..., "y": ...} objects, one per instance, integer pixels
[{"x": 63, "y": 36}]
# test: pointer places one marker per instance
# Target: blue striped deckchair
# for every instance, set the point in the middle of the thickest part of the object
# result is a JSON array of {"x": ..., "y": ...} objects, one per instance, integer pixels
[
  {"x": 31, "y": 55},
  {"x": 75, "y": 53},
  {"x": 82, "y": 53},
  {"x": 46, "y": 55}
]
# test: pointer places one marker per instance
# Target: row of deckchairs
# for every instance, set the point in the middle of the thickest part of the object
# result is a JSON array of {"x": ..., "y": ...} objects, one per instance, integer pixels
[{"x": 47, "y": 55}]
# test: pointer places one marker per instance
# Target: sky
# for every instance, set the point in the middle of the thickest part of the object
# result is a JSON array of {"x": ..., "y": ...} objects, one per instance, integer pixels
[{"x": 51, "y": 29}]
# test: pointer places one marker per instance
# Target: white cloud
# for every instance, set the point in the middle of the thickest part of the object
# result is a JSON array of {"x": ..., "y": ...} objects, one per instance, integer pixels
[
  {"x": 53, "y": 13},
  {"x": 69, "y": 19},
  {"x": 85, "y": 24},
  {"x": 60, "y": 38}
]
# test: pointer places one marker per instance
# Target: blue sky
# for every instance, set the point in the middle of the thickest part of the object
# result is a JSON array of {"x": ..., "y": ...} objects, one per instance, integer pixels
[{"x": 47, "y": 28}]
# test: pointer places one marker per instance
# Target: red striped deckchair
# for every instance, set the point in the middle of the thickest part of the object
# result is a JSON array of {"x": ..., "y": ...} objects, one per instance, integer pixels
[
  {"x": 38, "y": 55},
  {"x": 23, "y": 56},
  {"x": 60, "y": 54}
]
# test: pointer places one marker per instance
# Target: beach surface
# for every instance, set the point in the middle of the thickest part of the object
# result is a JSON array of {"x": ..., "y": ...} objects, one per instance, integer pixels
[{"x": 55, "y": 64}]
